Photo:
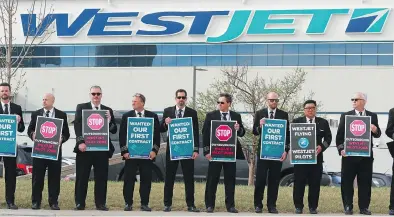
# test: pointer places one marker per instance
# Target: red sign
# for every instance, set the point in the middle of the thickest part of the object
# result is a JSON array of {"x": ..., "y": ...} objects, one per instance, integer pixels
[
  {"x": 224, "y": 133},
  {"x": 48, "y": 129},
  {"x": 95, "y": 122},
  {"x": 358, "y": 127}
]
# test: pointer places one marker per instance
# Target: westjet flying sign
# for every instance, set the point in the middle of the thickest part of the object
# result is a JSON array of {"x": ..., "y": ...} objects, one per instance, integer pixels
[{"x": 241, "y": 22}]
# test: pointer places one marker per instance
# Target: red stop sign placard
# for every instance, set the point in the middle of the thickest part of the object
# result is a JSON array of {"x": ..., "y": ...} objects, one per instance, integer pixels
[
  {"x": 358, "y": 127},
  {"x": 95, "y": 122},
  {"x": 48, "y": 129},
  {"x": 224, "y": 133}
]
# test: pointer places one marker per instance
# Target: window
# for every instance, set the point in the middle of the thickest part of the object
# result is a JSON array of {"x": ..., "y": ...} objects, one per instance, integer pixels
[
  {"x": 369, "y": 60},
  {"x": 353, "y": 60},
  {"x": 290, "y": 49},
  {"x": 275, "y": 49},
  {"x": 306, "y": 49},
  {"x": 229, "y": 60},
  {"x": 199, "y": 50},
  {"x": 183, "y": 50},
  {"x": 244, "y": 49},
  {"x": 199, "y": 60},
  {"x": 259, "y": 60},
  {"x": 337, "y": 60},
  {"x": 369, "y": 48},
  {"x": 139, "y": 50},
  {"x": 306, "y": 60},
  {"x": 184, "y": 61},
  {"x": 322, "y": 49},
  {"x": 353, "y": 48},
  {"x": 337, "y": 48},
  {"x": 229, "y": 49},
  {"x": 214, "y": 50},
  {"x": 385, "y": 60},
  {"x": 322, "y": 60},
  {"x": 274, "y": 60},
  {"x": 290, "y": 60},
  {"x": 214, "y": 61},
  {"x": 168, "y": 50},
  {"x": 244, "y": 60},
  {"x": 168, "y": 61},
  {"x": 260, "y": 49},
  {"x": 125, "y": 50},
  {"x": 385, "y": 48}
]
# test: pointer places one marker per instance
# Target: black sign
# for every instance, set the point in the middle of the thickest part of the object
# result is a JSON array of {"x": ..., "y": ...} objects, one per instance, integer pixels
[
  {"x": 48, "y": 137},
  {"x": 303, "y": 143},
  {"x": 223, "y": 141},
  {"x": 95, "y": 130},
  {"x": 358, "y": 135}
]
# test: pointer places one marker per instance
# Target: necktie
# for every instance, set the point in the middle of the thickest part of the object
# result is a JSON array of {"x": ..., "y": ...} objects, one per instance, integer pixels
[
  {"x": 96, "y": 108},
  {"x": 139, "y": 114},
  {"x": 47, "y": 113},
  {"x": 361, "y": 113},
  {"x": 271, "y": 115},
  {"x": 224, "y": 116},
  {"x": 6, "y": 109},
  {"x": 310, "y": 120},
  {"x": 180, "y": 113}
]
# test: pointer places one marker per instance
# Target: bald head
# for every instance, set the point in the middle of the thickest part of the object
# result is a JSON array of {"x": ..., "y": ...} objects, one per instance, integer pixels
[
  {"x": 272, "y": 100},
  {"x": 48, "y": 100}
]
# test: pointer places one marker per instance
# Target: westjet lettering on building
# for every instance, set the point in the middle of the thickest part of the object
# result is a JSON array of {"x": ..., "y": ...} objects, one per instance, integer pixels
[{"x": 255, "y": 25}]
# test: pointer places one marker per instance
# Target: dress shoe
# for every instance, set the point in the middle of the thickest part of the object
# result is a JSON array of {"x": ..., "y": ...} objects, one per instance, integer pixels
[
  {"x": 145, "y": 208},
  {"x": 192, "y": 209},
  {"x": 11, "y": 206},
  {"x": 210, "y": 210},
  {"x": 273, "y": 210},
  {"x": 128, "y": 207},
  {"x": 258, "y": 209},
  {"x": 391, "y": 212},
  {"x": 35, "y": 206},
  {"x": 102, "y": 208},
  {"x": 298, "y": 211},
  {"x": 312, "y": 211},
  {"x": 365, "y": 211},
  {"x": 232, "y": 210},
  {"x": 167, "y": 209},
  {"x": 79, "y": 207},
  {"x": 55, "y": 207},
  {"x": 348, "y": 210}
]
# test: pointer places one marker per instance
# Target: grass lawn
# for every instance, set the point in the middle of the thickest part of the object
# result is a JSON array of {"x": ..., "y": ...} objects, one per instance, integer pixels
[{"x": 330, "y": 198}]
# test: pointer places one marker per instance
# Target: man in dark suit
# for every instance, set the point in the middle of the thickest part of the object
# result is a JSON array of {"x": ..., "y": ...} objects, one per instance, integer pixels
[
  {"x": 7, "y": 107},
  {"x": 40, "y": 165},
  {"x": 353, "y": 166},
  {"x": 270, "y": 168},
  {"x": 143, "y": 165},
  {"x": 390, "y": 146},
  {"x": 311, "y": 173},
  {"x": 215, "y": 168},
  {"x": 98, "y": 159},
  {"x": 180, "y": 111}
]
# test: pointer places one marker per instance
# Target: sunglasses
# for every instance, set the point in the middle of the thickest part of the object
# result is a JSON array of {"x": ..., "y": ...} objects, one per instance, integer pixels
[
  {"x": 273, "y": 100},
  {"x": 95, "y": 94},
  {"x": 355, "y": 100},
  {"x": 220, "y": 102},
  {"x": 310, "y": 108},
  {"x": 181, "y": 97}
]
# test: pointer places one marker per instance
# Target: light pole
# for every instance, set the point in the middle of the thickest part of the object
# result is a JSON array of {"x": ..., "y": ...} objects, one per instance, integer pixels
[{"x": 195, "y": 69}]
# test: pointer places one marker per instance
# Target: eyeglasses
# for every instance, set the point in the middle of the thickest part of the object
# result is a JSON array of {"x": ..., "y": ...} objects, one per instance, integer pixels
[
  {"x": 273, "y": 100},
  {"x": 218, "y": 102},
  {"x": 310, "y": 108},
  {"x": 95, "y": 94},
  {"x": 181, "y": 97},
  {"x": 355, "y": 100}
]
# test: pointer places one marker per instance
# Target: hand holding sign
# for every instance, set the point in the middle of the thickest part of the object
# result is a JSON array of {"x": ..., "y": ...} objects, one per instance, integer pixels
[
  {"x": 262, "y": 121},
  {"x": 374, "y": 129},
  {"x": 284, "y": 155},
  {"x": 195, "y": 155},
  {"x": 108, "y": 116},
  {"x": 168, "y": 121},
  {"x": 343, "y": 153},
  {"x": 318, "y": 150},
  {"x": 236, "y": 126},
  {"x": 208, "y": 156},
  {"x": 82, "y": 147},
  {"x": 18, "y": 118},
  {"x": 152, "y": 155},
  {"x": 126, "y": 156}
]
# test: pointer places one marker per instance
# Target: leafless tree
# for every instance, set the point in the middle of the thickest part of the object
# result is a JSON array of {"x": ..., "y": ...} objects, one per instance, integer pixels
[{"x": 12, "y": 54}]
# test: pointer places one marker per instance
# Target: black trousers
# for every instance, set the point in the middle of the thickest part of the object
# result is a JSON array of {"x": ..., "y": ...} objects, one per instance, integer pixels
[
  {"x": 188, "y": 178},
  {"x": 214, "y": 170},
  {"x": 362, "y": 168},
  {"x": 130, "y": 170},
  {"x": 310, "y": 174},
  {"x": 84, "y": 163},
  {"x": 10, "y": 178},
  {"x": 391, "y": 206},
  {"x": 270, "y": 169},
  {"x": 38, "y": 176}
]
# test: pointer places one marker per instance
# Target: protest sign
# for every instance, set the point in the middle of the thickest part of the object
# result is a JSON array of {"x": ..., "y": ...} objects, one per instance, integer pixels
[
  {"x": 181, "y": 138},
  {"x": 140, "y": 137},
  {"x": 273, "y": 139},
  {"x": 95, "y": 130},
  {"x": 48, "y": 136},
  {"x": 223, "y": 141}
]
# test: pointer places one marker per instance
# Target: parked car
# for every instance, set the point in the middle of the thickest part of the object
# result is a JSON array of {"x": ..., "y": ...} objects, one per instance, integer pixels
[{"x": 378, "y": 179}]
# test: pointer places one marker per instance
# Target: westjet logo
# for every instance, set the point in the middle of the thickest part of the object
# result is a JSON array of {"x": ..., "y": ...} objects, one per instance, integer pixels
[{"x": 368, "y": 20}]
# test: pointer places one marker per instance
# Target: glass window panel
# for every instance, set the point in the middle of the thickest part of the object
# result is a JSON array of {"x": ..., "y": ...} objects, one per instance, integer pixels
[
  {"x": 66, "y": 50},
  {"x": 322, "y": 49},
  {"x": 274, "y": 60},
  {"x": 260, "y": 49},
  {"x": 37, "y": 62},
  {"x": 322, "y": 60},
  {"x": 229, "y": 49},
  {"x": 353, "y": 48},
  {"x": 184, "y": 61},
  {"x": 168, "y": 61},
  {"x": 214, "y": 61},
  {"x": 154, "y": 61},
  {"x": 244, "y": 60},
  {"x": 125, "y": 49},
  {"x": 199, "y": 60},
  {"x": 385, "y": 48},
  {"x": 337, "y": 48},
  {"x": 139, "y": 61},
  {"x": 81, "y": 51},
  {"x": 106, "y": 62},
  {"x": 124, "y": 61},
  {"x": 337, "y": 60},
  {"x": 369, "y": 60},
  {"x": 38, "y": 51},
  {"x": 259, "y": 60},
  {"x": 15, "y": 51},
  {"x": 275, "y": 49},
  {"x": 26, "y": 63},
  {"x": 199, "y": 49},
  {"x": 106, "y": 50},
  {"x": 81, "y": 62},
  {"x": 353, "y": 60},
  {"x": 66, "y": 61},
  {"x": 290, "y": 49},
  {"x": 139, "y": 50},
  {"x": 168, "y": 50},
  {"x": 152, "y": 49},
  {"x": 184, "y": 50},
  {"x": 215, "y": 49},
  {"x": 244, "y": 49},
  {"x": 290, "y": 60},
  {"x": 91, "y": 61},
  {"x": 385, "y": 60},
  {"x": 306, "y": 48},
  {"x": 229, "y": 60},
  {"x": 52, "y": 51},
  {"x": 369, "y": 48},
  {"x": 149, "y": 61},
  {"x": 306, "y": 60}
]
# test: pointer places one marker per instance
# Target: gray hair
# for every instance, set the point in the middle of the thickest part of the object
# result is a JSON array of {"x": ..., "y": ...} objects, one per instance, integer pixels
[{"x": 95, "y": 87}]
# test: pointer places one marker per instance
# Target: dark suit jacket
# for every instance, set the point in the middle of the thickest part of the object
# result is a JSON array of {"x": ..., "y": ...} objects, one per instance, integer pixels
[
  {"x": 16, "y": 109},
  {"x": 123, "y": 131},
  {"x": 340, "y": 140},
  {"x": 189, "y": 112},
  {"x": 206, "y": 131},
  {"x": 78, "y": 126},
  {"x": 58, "y": 114},
  {"x": 263, "y": 113},
  {"x": 323, "y": 134},
  {"x": 390, "y": 131}
]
